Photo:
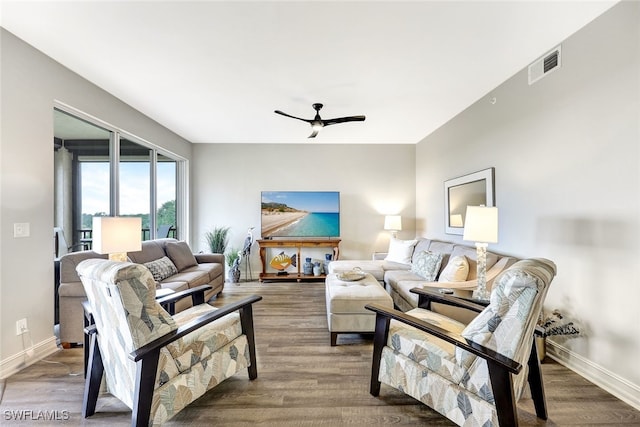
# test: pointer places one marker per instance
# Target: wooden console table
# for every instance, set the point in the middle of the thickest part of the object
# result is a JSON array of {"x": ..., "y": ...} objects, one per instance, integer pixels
[{"x": 298, "y": 244}]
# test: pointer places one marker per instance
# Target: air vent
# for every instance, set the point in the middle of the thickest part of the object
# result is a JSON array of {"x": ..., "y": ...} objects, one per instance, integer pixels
[{"x": 545, "y": 65}]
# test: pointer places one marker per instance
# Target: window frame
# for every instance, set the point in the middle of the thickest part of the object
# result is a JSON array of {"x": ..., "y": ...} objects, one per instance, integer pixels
[{"x": 182, "y": 168}]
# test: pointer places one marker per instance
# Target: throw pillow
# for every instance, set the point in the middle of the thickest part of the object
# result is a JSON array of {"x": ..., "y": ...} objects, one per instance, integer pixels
[
  {"x": 400, "y": 250},
  {"x": 456, "y": 270},
  {"x": 500, "y": 326},
  {"x": 181, "y": 255},
  {"x": 426, "y": 264},
  {"x": 161, "y": 268}
]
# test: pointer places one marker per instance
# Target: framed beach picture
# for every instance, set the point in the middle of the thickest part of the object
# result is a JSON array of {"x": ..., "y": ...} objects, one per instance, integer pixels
[{"x": 300, "y": 214}]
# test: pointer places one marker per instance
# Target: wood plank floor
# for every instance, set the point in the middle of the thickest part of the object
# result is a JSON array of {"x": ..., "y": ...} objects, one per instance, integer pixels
[{"x": 302, "y": 380}]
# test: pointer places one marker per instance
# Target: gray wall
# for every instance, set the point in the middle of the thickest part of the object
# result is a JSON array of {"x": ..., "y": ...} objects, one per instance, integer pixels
[
  {"x": 566, "y": 158},
  {"x": 30, "y": 83},
  {"x": 373, "y": 180}
]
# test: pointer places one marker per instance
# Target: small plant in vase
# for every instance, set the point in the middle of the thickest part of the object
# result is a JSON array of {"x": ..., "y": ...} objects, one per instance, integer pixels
[
  {"x": 233, "y": 261},
  {"x": 553, "y": 325}
]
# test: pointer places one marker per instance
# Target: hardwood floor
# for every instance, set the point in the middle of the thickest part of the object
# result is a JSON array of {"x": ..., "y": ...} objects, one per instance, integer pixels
[{"x": 302, "y": 380}]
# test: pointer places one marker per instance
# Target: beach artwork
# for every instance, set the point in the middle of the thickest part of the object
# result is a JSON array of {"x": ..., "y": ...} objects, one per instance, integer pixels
[{"x": 300, "y": 214}]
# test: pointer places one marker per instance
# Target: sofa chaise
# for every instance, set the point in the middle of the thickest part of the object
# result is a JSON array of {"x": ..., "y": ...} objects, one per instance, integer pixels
[
  {"x": 171, "y": 262},
  {"x": 425, "y": 263}
]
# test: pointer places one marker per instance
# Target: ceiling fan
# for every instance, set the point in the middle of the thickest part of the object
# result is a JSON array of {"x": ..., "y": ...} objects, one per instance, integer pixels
[{"x": 317, "y": 123}]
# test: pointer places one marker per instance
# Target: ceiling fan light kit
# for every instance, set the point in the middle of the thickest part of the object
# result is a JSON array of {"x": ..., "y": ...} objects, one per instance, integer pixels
[{"x": 317, "y": 123}]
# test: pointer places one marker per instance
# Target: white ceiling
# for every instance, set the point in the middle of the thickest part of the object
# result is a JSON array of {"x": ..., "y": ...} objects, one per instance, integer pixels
[{"x": 214, "y": 71}]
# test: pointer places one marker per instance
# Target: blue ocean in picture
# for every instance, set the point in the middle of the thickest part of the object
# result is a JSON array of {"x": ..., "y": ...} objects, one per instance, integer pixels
[{"x": 314, "y": 225}]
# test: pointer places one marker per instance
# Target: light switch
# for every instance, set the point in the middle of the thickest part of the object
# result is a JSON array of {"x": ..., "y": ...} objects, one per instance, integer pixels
[{"x": 21, "y": 229}]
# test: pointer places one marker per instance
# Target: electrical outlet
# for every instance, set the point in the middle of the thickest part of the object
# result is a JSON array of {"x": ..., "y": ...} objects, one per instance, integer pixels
[
  {"x": 21, "y": 326},
  {"x": 21, "y": 229}
]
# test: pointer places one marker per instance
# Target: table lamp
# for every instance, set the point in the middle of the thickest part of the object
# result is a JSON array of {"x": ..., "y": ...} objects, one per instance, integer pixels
[
  {"x": 393, "y": 223},
  {"x": 116, "y": 236},
  {"x": 481, "y": 226}
]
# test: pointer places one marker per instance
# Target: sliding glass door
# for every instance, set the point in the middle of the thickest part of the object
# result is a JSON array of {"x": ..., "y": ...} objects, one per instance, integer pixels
[
  {"x": 134, "y": 195},
  {"x": 82, "y": 152},
  {"x": 166, "y": 212}
]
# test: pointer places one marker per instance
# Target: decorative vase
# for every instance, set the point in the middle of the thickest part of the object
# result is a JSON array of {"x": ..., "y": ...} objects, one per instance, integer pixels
[
  {"x": 327, "y": 260},
  {"x": 316, "y": 269},
  {"x": 234, "y": 275},
  {"x": 307, "y": 267}
]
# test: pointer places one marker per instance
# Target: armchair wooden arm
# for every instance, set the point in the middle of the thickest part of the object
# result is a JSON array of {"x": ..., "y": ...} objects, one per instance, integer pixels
[
  {"x": 197, "y": 323},
  {"x": 384, "y": 314},
  {"x": 427, "y": 296}
]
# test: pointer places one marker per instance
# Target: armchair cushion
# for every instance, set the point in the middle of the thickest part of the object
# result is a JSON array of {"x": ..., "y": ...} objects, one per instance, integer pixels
[
  {"x": 180, "y": 254},
  {"x": 510, "y": 319},
  {"x": 174, "y": 394},
  {"x": 499, "y": 326},
  {"x": 200, "y": 344},
  {"x": 435, "y": 390},
  {"x": 137, "y": 306},
  {"x": 427, "y": 350}
]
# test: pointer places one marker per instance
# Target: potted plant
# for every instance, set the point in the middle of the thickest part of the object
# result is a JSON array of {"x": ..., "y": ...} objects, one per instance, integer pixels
[
  {"x": 553, "y": 325},
  {"x": 233, "y": 261},
  {"x": 217, "y": 239}
]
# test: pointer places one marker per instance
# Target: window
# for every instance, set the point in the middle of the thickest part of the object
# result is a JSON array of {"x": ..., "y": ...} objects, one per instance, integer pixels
[
  {"x": 103, "y": 171},
  {"x": 166, "y": 213}
]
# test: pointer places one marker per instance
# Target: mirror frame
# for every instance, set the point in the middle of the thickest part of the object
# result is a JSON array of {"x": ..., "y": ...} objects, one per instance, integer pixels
[{"x": 466, "y": 184}]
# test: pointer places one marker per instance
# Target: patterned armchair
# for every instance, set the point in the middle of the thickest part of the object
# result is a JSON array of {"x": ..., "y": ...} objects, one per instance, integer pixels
[
  {"x": 472, "y": 374},
  {"x": 154, "y": 362}
]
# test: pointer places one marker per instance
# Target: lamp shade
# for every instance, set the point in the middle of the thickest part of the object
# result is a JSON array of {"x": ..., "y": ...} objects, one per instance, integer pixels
[
  {"x": 112, "y": 234},
  {"x": 481, "y": 224},
  {"x": 393, "y": 222}
]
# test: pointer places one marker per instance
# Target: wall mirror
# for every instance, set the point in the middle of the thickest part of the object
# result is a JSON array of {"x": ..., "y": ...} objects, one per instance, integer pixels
[{"x": 474, "y": 189}]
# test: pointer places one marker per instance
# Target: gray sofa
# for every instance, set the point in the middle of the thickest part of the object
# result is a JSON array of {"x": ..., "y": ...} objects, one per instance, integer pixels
[
  {"x": 189, "y": 270},
  {"x": 400, "y": 277}
]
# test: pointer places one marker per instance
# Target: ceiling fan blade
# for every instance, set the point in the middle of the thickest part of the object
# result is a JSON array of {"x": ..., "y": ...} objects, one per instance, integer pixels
[
  {"x": 317, "y": 123},
  {"x": 343, "y": 120},
  {"x": 293, "y": 117}
]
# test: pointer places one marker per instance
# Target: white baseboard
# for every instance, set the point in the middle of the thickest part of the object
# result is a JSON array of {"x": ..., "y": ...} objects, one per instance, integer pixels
[
  {"x": 28, "y": 357},
  {"x": 603, "y": 378}
]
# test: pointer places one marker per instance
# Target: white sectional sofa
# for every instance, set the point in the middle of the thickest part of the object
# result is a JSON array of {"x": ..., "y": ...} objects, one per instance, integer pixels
[{"x": 403, "y": 268}]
